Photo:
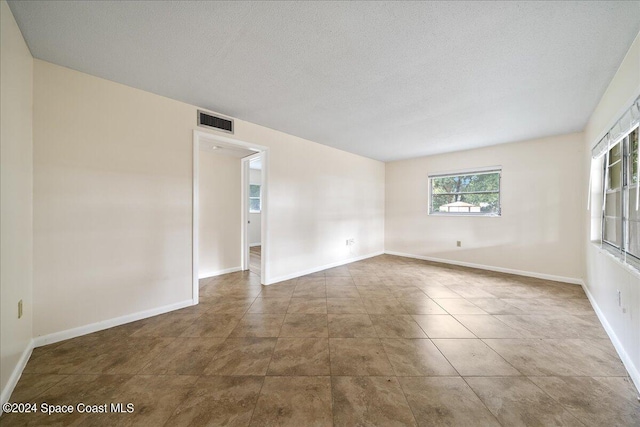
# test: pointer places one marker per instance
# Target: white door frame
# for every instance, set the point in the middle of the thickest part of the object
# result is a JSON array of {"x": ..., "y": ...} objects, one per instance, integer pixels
[
  {"x": 198, "y": 137},
  {"x": 246, "y": 180}
]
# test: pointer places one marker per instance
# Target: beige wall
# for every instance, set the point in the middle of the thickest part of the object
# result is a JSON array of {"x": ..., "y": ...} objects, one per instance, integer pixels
[
  {"x": 540, "y": 228},
  {"x": 219, "y": 214},
  {"x": 16, "y": 204},
  {"x": 113, "y": 200},
  {"x": 255, "y": 177},
  {"x": 605, "y": 275}
]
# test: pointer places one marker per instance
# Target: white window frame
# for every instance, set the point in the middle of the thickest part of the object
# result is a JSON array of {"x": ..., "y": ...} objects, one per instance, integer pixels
[
  {"x": 259, "y": 198},
  {"x": 626, "y": 186},
  {"x": 477, "y": 171}
]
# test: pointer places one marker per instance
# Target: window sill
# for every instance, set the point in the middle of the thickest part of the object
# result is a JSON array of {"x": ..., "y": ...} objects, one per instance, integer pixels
[
  {"x": 255, "y": 212},
  {"x": 630, "y": 266}
]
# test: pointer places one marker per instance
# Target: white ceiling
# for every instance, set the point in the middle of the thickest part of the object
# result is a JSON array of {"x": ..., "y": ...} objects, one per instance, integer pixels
[{"x": 387, "y": 80}]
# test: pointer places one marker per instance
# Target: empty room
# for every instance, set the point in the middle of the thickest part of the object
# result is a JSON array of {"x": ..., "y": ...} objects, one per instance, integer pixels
[{"x": 320, "y": 213}]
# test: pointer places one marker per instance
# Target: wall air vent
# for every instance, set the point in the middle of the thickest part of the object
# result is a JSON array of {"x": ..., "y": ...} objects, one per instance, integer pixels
[{"x": 215, "y": 122}]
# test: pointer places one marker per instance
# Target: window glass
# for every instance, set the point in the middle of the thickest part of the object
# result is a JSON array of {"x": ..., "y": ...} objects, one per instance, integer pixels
[
  {"x": 620, "y": 219},
  {"x": 469, "y": 193},
  {"x": 255, "y": 199}
]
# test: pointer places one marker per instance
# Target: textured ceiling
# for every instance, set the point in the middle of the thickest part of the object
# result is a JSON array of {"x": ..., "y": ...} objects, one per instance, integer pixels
[{"x": 387, "y": 80}]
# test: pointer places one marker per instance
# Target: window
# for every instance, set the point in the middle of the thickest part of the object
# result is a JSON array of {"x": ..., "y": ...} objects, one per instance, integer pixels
[
  {"x": 255, "y": 198},
  {"x": 620, "y": 212},
  {"x": 469, "y": 193}
]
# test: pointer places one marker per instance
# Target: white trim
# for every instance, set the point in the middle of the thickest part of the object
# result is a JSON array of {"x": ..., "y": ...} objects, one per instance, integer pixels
[
  {"x": 467, "y": 171},
  {"x": 195, "y": 216},
  {"x": 245, "y": 181},
  {"x": 208, "y": 274},
  {"x": 16, "y": 374},
  {"x": 199, "y": 135},
  {"x": 572, "y": 280},
  {"x": 322, "y": 267},
  {"x": 624, "y": 356},
  {"x": 109, "y": 323}
]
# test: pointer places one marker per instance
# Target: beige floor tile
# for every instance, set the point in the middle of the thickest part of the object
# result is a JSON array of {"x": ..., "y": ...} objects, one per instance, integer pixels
[
  {"x": 495, "y": 306},
  {"x": 295, "y": 402},
  {"x": 300, "y": 356},
  {"x": 277, "y": 290},
  {"x": 421, "y": 306},
  {"x": 377, "y": 291},
  {"x": 374, "y": 401},
  {"x": 270, "y": 305},
  {"x": 88, "y": 389},
  {"x": 351, "y": 326},
  {"x": 486, "y": 326},
  {"x": 416, "y": 357},
  {"x": 155, "y": 397},
  {"x": 388, "y": 305},
  {"x": 345, "y": 306},
  {"x": 438, "y": 291},
  {"x": 218, "y": 401},
  {"x": 554, "y": 326},
  {"x": 305, "y": 326},
  {"x": 225, "y": 305},
  {"x": 342, "y": 271},
  {"x": 166, "y": 325},
  {"x": 519, "y": 402},
  {"x": 474, "y": 358},
  {"x": 258, "y": 325},
  {"x": 595, "y": 401},
  {"x": 332, "y": 281},
  {"x": 358, "y": 356},
  {"x": 184, "y": 356},
  {"x": 212, "y": 325},
  {"x": 458, "y": 306},
  {"x": 442, "y": 326},
  {"x": 342, "y": 292},
  {"x": 308, "y": 305},
  {"x": 470, "y": 291},
  {"x": 396, "y": 326},
  {"x": 310, "y": 290},
  {"x": 127, "y": 357},
  {"x": 31, "y": 386},
  {"x": 445, "y": 401},
  {"x": 561, "y": 357},
  {"x": 559, "y": 342},
  {"x": 242, "y": 356}
]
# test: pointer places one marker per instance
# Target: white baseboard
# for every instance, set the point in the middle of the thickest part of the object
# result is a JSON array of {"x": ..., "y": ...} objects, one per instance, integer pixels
[
  {"x": 207, "y": 274},
  {"x": 634, "y": 373},
  {"x": 572, "y": 280},
  {"x": 105, "y": 324},
  {"x": 15, "y": 375},
  {"x": 273, "y": 280},
  {"x": 254, "y": 244}
]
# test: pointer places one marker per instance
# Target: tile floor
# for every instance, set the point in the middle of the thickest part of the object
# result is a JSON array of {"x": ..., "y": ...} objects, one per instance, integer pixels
[{"x": 382, "y": 342}]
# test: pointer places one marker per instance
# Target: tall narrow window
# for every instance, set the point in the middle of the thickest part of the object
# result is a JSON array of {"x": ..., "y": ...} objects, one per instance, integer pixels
[
  {"x": 620, "y": 184},
  {"x": 255, "y": 198},
  {"x": 469, "y": 193},
  {"x": 633, "y": 186},
  {"x": 621, "y": 213},
  {"x": 612, "y": 230}
]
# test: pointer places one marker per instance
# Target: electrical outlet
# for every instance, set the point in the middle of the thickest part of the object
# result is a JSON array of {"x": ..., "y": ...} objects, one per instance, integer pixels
[
  {"x": 351, "y": 242},
  {"x": 619, "y": 295},
  {"x": 19, "y": 309},
  {"x": 459, "y": 243}
]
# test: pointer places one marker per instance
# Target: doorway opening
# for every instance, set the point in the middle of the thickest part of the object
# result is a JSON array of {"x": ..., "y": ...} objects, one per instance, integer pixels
[
  {"x": 254, "y": 205},
  {"x": 229, "y": 212}
]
